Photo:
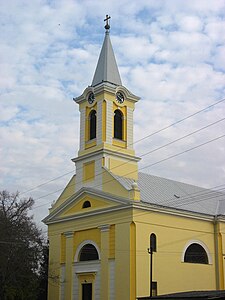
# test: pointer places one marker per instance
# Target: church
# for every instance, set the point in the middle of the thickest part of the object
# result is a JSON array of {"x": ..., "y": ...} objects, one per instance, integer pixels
[{"x": 116, "y": 233}]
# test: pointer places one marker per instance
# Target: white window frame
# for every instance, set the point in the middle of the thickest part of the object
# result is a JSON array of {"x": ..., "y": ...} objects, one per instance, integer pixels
[
  {"x": 201, "y": 244},
  {"x": 81, "y": 245}
]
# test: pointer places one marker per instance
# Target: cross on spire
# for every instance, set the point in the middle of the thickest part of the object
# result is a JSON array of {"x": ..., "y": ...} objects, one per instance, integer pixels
[{"x": 107, "y": 26}]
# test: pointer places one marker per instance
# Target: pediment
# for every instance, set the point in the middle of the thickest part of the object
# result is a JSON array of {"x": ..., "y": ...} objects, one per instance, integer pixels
[
  {"x": 82, "y": 205},
  {"x": 85, "y": 202}
]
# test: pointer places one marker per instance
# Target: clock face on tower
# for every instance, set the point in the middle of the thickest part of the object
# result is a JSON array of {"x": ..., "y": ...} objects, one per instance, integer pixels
[
  {"x": 119, "y": 97},
  {"x": 91, "y": 98}
]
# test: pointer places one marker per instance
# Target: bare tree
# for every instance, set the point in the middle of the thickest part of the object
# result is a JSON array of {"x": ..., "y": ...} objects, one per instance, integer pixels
[{"x": 21, "y": 248}]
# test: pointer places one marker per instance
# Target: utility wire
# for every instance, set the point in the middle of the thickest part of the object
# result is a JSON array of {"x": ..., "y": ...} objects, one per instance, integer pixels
[
  {"x": 150, "y": 135},
  {"x": 46, "y": 182},
  {"x": 183, "y": 137},
  {"x": 149, "y": 152},
  {"x": 181, "y": 120},
  {"x": 180, "y": 153},
  {"x": 150, "y": 165}
]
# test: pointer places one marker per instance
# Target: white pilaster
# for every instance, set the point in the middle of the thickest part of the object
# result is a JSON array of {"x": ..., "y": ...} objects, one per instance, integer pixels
[
  {"x": 99, "y": 122},
  {"x": 112, "y": 279},
  {"x": 82, "y": 129},
  {"x": 129, "y": 128},
  {"x": 62, "y": 282},
  {"x": 109, "y": 122}
]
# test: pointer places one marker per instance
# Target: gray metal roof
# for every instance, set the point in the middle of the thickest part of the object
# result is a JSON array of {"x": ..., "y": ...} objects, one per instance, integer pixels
[
  {"x": 106, "y": 69},
  {"x": 173, "y": 194}
]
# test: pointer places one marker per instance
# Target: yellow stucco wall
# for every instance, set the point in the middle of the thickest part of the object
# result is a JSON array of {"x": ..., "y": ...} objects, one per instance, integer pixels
[
  {"x": 123, "y": 168},
  {"x": 77, "y": 207},
  {"x": 66, "y": 194},
  {"x": 122, "y": 261},
  {"x": 128, "y": 240},
  {"x": 93, "y": 234},
  {"x": 110, "y": 185},
  {"x": 173, "y": 233},
  {"x": 63, "y": 249},
  {"x": 88, "y": 171},
  {"x": 221, "y": 237}
]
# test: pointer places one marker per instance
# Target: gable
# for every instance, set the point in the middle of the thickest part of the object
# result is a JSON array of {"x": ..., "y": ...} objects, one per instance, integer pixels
[
  {"x": 66, "y": 193},
  {"x": 74, "y": 206},
  {"x": 78, "y": 206}
]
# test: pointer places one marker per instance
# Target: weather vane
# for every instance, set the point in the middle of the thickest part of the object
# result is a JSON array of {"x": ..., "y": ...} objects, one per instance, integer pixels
[{"x": 107, "y": 26}]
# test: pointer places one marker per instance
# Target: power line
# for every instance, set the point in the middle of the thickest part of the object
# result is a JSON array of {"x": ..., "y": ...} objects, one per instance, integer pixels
[
  {"x": 183, "y": 137},
  {"x": 44, "y": 183},
  {"x": 150, "y": 135},
  {"x": 181, "y": 120},
  {"x": 154, "y": 150},
  {"x": 180, "y": 153},
  {"x": 144, "y": 167}
]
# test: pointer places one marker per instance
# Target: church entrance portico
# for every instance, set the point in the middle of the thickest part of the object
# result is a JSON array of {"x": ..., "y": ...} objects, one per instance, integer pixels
[{"x": 86, "y": 272}]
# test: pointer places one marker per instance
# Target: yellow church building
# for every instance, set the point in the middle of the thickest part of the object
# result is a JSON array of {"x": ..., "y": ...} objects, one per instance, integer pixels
[{"x": 101, "y": 226}]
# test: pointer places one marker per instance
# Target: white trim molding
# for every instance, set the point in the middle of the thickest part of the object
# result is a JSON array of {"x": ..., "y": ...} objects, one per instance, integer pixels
[
  {"x": 199, "y": 243},
  {"x": 104, "y": 228},
  {"x": 68, "y": 234}
]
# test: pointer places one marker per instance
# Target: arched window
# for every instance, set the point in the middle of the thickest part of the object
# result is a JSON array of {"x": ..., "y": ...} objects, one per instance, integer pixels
[
  {"x": 118, "y": 124},
  {"x": 195, "y": 253},
  {"x": 153, "y": 242},
  {"x": 92, "y": 122},
  {"x": 88, "y": 252},
  {"x": 86, "y": 204}
]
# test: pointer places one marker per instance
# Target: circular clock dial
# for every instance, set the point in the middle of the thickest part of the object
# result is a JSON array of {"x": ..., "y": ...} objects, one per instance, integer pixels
[
  {"x": 119, "y": 97},
  {"x": 91, "y": 98}
]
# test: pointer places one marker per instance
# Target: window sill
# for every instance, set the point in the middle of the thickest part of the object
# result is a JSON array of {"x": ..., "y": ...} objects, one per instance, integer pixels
[
  {"x": 119, "y": 143},
  {"x": 90, "y": 143}
]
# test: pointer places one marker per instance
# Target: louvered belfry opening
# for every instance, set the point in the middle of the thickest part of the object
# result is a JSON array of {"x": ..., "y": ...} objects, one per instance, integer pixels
[
  {"x": 118, "y": 124},
  {"x": 92, "y": 119}
]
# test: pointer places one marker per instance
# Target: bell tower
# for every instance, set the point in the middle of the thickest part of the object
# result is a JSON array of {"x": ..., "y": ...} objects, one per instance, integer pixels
[{"x": 106, "y": 123}]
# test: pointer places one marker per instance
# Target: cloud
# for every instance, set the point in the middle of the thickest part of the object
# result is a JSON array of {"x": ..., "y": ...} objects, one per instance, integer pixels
[{"x": 170, "y": 53}]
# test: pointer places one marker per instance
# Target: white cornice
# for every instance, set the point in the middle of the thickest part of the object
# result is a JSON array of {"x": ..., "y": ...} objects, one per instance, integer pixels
[
  {"x": 87, "y": 214},
  {"x": 89, "y": 191},
  {"x": 106, "y": 87},
  {"x": 107, "y": 152},
  {"x": 172, "y": 211},
  {"x": 124, "y": 204}
]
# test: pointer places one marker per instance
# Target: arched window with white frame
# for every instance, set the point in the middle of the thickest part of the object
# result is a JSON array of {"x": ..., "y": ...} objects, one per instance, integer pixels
[
  {"x": 196, "y": 252},
  {"x": 87, "y": 250}
]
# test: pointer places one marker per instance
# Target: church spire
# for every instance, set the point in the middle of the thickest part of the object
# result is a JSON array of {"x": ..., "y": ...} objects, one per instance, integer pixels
[{"x": 107, "y": 70}]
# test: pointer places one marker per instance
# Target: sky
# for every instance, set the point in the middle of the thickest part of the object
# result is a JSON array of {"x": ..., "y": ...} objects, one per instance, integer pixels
[{"x": 171, "y": 53}]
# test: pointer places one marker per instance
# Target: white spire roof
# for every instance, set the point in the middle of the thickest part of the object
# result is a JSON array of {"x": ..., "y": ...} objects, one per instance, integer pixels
[{"x": 106, "y": 70}]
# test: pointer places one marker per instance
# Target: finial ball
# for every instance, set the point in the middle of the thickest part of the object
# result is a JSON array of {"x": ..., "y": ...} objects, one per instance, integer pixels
[{"x": 107, "y": 26}]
